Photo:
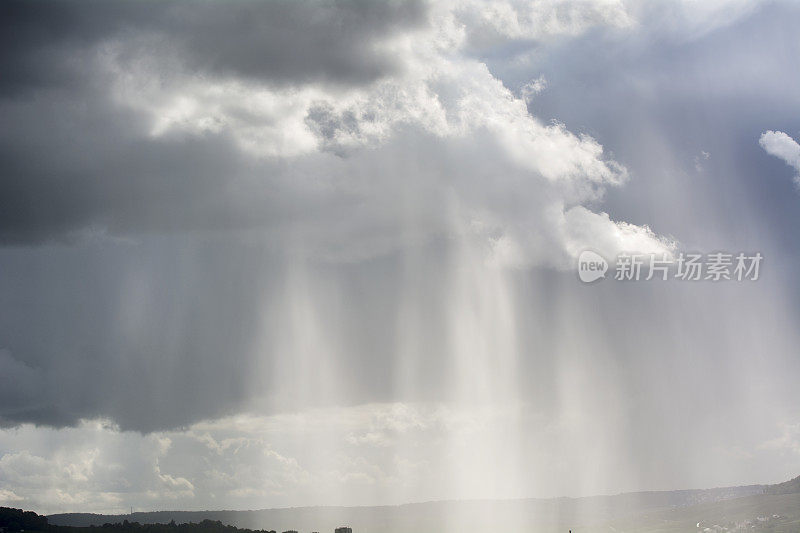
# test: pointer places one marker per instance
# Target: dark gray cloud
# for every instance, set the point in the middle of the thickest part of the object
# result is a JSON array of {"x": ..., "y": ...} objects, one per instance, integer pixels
[
  {"x": 74, "y": 162},
  {"x": 44, "y": 43},
  {"x": 73, "y": 158}
]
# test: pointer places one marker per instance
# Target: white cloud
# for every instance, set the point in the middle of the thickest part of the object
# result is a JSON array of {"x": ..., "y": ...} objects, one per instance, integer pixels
[
  {"x": 440, "y": 93},
  {"x": 363, "y": 454},
  {"x": 92, "y": 466},
  {"x": 584, "y": 229},
  {"x": 370, "y": 453},
  {"x": 532, "y": 88},
  {"x": 783, "y": 147}
]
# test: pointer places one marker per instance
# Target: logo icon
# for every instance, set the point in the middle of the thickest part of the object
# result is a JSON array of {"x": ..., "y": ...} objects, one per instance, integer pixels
[{"x": 591, "y": 266}]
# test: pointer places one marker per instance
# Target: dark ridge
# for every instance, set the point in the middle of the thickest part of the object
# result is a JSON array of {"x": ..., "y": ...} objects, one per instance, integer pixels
[
  {"x": 436, "y": 510},
  {"x": 787, "y": 487},
  {"x": 16, "y": 520}
]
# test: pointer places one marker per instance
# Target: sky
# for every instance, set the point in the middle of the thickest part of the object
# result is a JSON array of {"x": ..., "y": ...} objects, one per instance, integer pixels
[{"x": 285, "y": 253}]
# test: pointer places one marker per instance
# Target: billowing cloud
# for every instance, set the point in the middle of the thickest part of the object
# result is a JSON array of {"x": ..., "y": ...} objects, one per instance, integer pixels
[
  {"x": 154, "y": 159},
  {"x": 192, "y": 138},
  {"x": 374, "y": 453},
  {"x": 218, "y": 223},
  {"x": 783, "y": 147},
  {"x": 296, "y": 165}
]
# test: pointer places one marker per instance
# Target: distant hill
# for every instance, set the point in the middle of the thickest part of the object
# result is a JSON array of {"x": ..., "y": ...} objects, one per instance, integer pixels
[
  {"x": 19, "y": 521},
  {"x": 456, "y": 516},
  {"x": 752, "y": 509},
  {"x": 787, "y": 487}
]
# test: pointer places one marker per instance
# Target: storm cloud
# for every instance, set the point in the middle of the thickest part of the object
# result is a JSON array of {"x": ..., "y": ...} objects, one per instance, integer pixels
[
  {"x": 261, "y": 226},
  {"x": 101, "y": 167},
  {"x": 47, "y": 43}
]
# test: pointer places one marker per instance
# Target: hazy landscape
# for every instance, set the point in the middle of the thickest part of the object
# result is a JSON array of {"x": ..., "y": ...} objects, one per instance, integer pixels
[{"x": 773, "y": 508}]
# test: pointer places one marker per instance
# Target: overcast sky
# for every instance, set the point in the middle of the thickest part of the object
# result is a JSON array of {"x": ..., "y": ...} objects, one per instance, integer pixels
[{"x": 261, "y": 254}]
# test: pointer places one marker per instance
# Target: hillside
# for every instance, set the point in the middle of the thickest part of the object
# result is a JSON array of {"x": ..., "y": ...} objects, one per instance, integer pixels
[
  {"x": 787, "y": 487},
  {"x": 754, "y": 507},
  {"x": 18, "y": 521}
]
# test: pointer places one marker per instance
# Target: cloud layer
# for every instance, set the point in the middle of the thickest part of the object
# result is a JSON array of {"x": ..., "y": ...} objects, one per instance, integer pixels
[{"x": 374, "y": 454}]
